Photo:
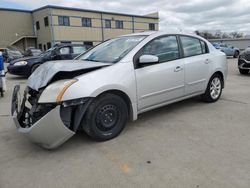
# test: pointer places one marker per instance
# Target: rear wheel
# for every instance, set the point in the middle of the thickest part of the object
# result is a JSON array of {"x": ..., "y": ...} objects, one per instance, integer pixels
[
  {"x": 236, "y": 54},
  {"x": 244, "y": 71},
  {"x": 106, "y": 117},
  {"x": 214, "y": 89}
]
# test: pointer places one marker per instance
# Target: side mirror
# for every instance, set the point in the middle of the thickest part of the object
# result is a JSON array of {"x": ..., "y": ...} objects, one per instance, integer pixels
[{"x": 144, "y": 59}]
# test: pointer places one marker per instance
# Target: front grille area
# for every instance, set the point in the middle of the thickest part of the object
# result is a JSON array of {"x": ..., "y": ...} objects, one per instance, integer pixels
[
  {"x": 32, "y": 111},
  {"x": 243, "y": 64},
  {"x": 246, "y": 56}
]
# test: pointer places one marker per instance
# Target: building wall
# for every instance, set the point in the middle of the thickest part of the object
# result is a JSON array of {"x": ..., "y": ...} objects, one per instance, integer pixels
[
  {"x": 44, "y": 34},
  {"x": 18, "y": 23},
  {"x": 76, "y": 33},
  {"x": 14, "y": 25}
]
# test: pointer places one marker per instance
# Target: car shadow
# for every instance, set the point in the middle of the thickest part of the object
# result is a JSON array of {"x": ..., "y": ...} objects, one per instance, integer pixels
[{"x": 81, "y": 140}]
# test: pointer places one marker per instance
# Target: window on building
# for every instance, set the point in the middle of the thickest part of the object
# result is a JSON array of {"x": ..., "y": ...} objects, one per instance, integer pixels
[
  {"x": 37, "y": 25},
  {"x": 166, "y": 48},
  {"x": 48, "y": 45},
  {"x": 119, "y": 24},
  {"x": 151, "y": 26},
  {"x": 44, "y": 47},
  {"x": 88, "y": 44},
  {"x": 191, "y": 46},
  {"x": 63, "y": 20},
  {"x": 40, "y": 46},
  {"x": 107, "y": 23},
  {"x": 86, "y": 22},
  {"x": 46, "y": 21}
]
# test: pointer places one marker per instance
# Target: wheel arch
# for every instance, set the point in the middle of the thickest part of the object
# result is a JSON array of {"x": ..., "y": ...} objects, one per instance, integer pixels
[
  {"x": 33, "y": 65},
  {"x": 221, "y": 75},
  {"x": 132, "y": 111}
]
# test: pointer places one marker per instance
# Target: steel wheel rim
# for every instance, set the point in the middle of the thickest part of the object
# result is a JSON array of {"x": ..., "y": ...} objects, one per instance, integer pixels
[
  {"x": 215, "y": 88},
  {"x": 107, "y": 117}
]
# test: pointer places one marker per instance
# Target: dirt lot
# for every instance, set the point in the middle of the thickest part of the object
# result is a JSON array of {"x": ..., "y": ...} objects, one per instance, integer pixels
[{"x": 188, "y": 144}]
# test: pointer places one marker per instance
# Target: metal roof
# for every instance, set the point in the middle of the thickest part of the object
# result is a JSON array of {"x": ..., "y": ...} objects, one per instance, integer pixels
[
  {"x": 76, "y": 9},
  {"x": 15, "y": 10}
]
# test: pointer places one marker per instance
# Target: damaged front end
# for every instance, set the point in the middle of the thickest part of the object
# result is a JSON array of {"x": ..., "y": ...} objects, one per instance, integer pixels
[
  {"x": 46, "y": 124},
  {"x": 41, "y": 114}
]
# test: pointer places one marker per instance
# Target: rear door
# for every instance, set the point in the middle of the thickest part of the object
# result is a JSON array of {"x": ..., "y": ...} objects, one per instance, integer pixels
[
  {"x": 197, "y": 64},
  {"x": 163, "y": 81}
]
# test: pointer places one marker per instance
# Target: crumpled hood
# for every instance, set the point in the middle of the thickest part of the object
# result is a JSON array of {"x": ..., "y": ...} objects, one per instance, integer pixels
[{"x": 45, "y": 72}]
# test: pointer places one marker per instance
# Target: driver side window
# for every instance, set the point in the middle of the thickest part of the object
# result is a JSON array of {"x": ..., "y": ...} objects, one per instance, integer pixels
[{"x": 165, "y": 48}]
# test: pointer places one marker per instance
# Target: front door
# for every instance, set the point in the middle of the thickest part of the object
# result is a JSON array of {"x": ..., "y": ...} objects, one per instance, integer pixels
[{"x": 163, "y": 81}]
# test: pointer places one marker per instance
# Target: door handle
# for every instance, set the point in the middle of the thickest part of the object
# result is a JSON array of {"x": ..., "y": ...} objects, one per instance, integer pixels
[
  {"x": 178, "y": 69},
  {"x": 207, "y": 61}
]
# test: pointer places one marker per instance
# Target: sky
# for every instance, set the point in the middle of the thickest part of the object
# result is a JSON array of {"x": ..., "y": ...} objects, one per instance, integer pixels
[{"x": 185, "y": 15}]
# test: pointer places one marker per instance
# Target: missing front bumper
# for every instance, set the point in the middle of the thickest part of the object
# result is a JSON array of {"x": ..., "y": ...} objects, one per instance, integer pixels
[{"x": 49, "y": 131}]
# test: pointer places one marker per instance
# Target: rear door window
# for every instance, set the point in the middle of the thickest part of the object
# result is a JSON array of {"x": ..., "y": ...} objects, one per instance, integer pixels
[
  {"x": 191, "y": 46},
  {"x": 204, "y": 47},
  {"x": 78, "y": 49}
]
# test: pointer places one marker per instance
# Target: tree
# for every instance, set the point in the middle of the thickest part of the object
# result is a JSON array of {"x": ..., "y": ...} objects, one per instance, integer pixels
[
  {"x": 219, "y": 35},
  {"x": 236, "y": 35}
]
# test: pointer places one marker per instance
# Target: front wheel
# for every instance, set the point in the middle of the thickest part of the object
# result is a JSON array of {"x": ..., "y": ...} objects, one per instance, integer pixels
[
  {"x": 214, "y": 89},
  {"x": 106, "y": 117},
  {"x": 244, "y": 71}
]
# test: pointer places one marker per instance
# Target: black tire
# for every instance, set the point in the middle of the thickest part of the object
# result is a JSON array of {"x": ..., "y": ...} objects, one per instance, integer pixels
[
  {"x": 34, "y": 67},
  {"x": 207, "y": 96},
  {"x": 244, "y": 71},
  {"x": 236, "y": 54},
  {"x": 106, "y": 117},
  {"x": 1, "y": 92}
]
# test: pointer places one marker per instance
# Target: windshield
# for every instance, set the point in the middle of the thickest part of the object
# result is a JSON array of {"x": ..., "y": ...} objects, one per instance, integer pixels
[
  {"x": 36, "y": 52},
  {"x": 47, "y": 53},
  {"x": 112, "y": 50}
]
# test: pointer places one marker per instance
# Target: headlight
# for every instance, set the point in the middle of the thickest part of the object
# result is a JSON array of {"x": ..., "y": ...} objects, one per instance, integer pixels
[
  {"x": 54, "y": 92},
  {"x": 20, "y": 63}
]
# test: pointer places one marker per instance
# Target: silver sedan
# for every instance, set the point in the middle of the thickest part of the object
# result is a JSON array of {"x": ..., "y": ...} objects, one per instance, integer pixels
[{"x": 112, "y": 83}]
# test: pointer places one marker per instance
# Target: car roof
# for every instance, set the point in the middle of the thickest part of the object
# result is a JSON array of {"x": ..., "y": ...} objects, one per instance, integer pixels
[
  {"x": 159, "y": 33},
  {"x": 65, "y": 44}
]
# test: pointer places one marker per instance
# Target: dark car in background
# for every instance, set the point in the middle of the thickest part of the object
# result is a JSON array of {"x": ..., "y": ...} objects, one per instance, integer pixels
[
  {"x": 32, "y": 52},
  {"x": 228, "y": 49},
  {"x": 27, "y": 65},
  {"x": 244, "y": 61},
  {"x": 10, "y": 54}
]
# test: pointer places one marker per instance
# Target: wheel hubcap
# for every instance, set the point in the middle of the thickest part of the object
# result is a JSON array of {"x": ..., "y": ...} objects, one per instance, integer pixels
[
  {"x": 215, "y": 88},
  {"x": 107, "y": 117}
]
